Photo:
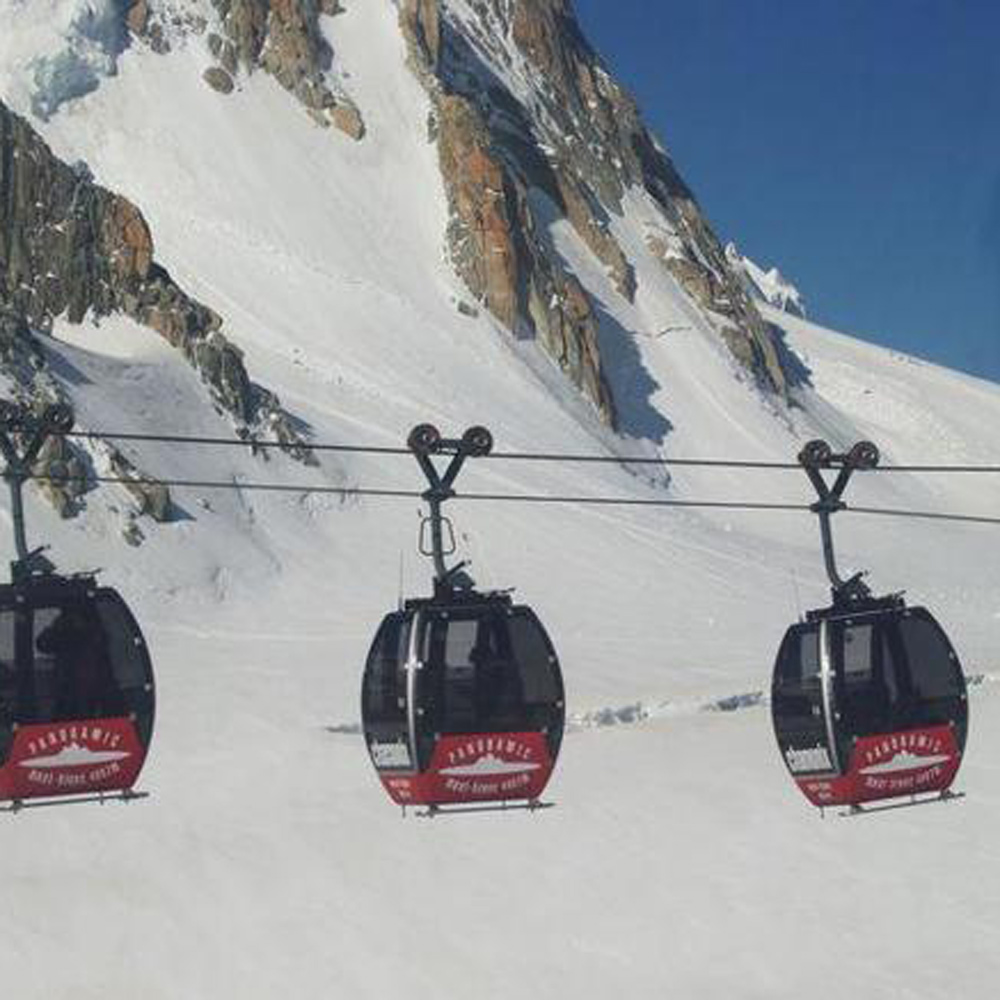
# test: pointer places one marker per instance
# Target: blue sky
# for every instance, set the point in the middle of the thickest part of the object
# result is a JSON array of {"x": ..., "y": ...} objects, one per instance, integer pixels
[{"x": 854, "y": 143}]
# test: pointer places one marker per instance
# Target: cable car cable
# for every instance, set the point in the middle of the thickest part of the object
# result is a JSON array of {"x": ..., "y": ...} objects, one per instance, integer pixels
[
  {"x": 224, "y": 442},
  {"x": 924, "y": 514},
  {"x": 554, "y": 457},
  {"x": 605, "y": 501}
]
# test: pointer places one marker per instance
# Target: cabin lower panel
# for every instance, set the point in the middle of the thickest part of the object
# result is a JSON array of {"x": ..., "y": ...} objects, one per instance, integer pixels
[
  {"x": 72, "y": 758},
  {"x": 916, "y": 762},
  {"x": 491, "y": 767}
]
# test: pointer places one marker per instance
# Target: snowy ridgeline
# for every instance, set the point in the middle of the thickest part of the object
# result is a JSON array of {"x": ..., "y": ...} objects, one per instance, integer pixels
[{"x": 766, "y": 286}]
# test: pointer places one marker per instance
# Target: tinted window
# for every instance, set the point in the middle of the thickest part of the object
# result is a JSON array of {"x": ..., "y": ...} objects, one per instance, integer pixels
[
  {"x": 8, "y": 682},
  {"x": 930, "y": 685},
  {"x": 857, "y": 653},
  {"x": 489, "y": 671},
  {"x": 129, "y": 659},
  {"x": 895, "y": 673},
  {"x": 536, "y": 660},
  {"x": 798, "y": 658},
  {"x": 383, "y": 697},
  {"x": 541, "y": 677},
  {"x": 73, "y": 666},
  {"x": 863, "y": 692},
  {"x": 933, "y": 670},
  {"x": 797, "y": 702},
  {"x": 125, "y": 647},
  {"x": 459, "y": 636}
]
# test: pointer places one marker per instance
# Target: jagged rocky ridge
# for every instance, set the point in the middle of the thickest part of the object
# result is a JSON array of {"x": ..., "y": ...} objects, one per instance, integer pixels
[
  {"x": 578, "y": 140},
  {"x": 69, "y": 247},
  {"x": 280, "y": 37},
  {"x": 283, "y": 38}
]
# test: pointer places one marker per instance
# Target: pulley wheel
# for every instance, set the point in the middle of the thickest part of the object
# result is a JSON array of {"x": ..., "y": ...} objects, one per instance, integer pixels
[
  {"x": 864, "y": 455},
  {"x": 815, "y": 453},
  {"x": 424, "y": 439},
  {"x": 478, "y": 441}
]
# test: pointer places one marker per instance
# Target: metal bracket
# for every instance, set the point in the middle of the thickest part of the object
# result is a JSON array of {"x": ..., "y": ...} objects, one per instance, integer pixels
[
  {"x": 425, "y": 442},
  {"x": 816, "y": 457},
  {"x": 20, "y": 425}
]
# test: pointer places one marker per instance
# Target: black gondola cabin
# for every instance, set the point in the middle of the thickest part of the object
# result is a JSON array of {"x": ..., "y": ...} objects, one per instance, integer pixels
[
  {"x": 868, "y": 698},
  {"x": 77, "y": 697},
  {"x": 462, "y": 701},
  {"x": 869, "y": 703}
]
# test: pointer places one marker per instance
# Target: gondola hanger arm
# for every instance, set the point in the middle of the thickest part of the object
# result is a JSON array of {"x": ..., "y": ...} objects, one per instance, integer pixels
[
  {"x": 425, "y": 441},
  {"x": 816, "y": 457},
  {"x": 15, "y": 420}
]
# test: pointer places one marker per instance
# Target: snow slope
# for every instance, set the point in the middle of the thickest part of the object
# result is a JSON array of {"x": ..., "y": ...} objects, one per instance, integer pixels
[{"x": 679, "y": 859}]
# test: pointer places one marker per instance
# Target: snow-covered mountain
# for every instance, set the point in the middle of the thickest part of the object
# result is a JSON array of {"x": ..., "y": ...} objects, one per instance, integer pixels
[
  {"x": 330, "y": 221},
  {"x": 769, "y": 286}
]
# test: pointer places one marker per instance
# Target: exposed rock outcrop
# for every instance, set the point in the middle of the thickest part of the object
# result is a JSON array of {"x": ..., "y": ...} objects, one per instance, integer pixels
[
  {"x": 70, "y": 247},
  {"x": 283, "y": 38},
  {"x": 218, "y": 79},
  {"x": 23, "y": 362},
  {"x": 493, "y": 237},
  {"x": 578, "y": 139},
  {"x": 63, "y": 465},
  {"x": 137, "y": 17},
  {"x": 152, "y": 497},
  {"x": 62, "y": 475}
]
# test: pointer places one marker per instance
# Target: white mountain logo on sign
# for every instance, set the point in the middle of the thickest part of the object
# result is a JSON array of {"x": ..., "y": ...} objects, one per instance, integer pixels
[
  {"x": 74, "y": 755},
  {"x": 490, "y": 765},
  {"x": 905, "y": 761}
]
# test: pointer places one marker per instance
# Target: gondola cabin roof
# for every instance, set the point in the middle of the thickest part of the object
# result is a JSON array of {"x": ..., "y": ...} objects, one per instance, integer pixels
[
  {"x": 463, "y": 600},
  {"x": 854, "y": 609},
  {"x": 51, "y": 589}
]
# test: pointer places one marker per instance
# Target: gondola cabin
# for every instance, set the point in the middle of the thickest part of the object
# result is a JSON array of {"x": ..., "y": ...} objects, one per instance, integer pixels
[
  {"x": 462, "y": 702},
  {"x": 76, "y": 691},
  {"x": 869, "y": 703}
]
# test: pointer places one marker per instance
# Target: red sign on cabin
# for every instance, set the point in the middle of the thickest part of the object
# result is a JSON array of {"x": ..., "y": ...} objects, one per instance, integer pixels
[
  {"x": 487, "y": 767},
  {"x": 889, "y": 766},
  {"x": 71, "y": 758}
]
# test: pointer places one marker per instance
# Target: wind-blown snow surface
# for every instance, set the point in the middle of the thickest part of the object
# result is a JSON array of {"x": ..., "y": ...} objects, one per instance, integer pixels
[{"x": 678, "y": 860}]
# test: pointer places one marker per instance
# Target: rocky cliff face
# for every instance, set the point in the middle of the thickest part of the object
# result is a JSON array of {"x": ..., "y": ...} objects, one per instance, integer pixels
[
  {"x": 524, "y": 108},
  {"x": 494, "y": 239},
  {"x": 69, "y": 247},
  {"x": 283, "y": 38},
  {"x": 280, "y": 37}
]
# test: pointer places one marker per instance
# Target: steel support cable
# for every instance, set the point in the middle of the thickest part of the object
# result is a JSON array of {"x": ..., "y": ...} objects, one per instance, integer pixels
[
  {"x": 225, "y": 442},
  {"x": 555, "y": 457},
  {"x": 924, "y": 514},
  {"x": 367, "y": 491}
]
